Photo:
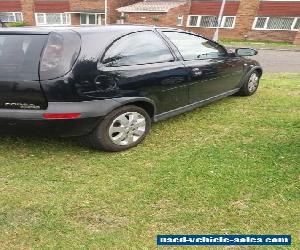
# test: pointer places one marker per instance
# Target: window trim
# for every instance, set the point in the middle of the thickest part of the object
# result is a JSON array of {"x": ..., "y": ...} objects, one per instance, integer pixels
[
  {"x": 47, "y": 24},
  {"x": 267, "y": 20},
  {"x": 199, "y": 21},
  {"x": 192, "y": 34},
  {"x": 131, "y": 65},
  {"x": 14, "y": 14}
]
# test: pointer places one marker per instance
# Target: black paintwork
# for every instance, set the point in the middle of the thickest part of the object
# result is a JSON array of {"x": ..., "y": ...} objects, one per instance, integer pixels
[{"x": 165, "y": 88}]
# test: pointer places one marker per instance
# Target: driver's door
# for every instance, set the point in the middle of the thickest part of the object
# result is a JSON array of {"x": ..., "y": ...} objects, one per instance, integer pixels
[{"x": 212, "y": 72}]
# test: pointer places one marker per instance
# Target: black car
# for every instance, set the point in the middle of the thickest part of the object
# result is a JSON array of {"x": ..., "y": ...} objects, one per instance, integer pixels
[{"x": 107, "y": 84}]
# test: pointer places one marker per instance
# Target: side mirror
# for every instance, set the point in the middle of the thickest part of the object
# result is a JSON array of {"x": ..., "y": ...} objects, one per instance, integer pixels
[{"x": 246, "y": 52}]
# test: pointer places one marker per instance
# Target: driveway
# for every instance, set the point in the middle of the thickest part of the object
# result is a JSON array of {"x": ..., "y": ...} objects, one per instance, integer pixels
[{"x": 277, "y": 61}]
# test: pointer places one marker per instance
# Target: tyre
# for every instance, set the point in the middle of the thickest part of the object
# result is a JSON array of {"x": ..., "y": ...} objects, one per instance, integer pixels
[
  {"x": 122, "y": 129},
  {"x": 251, "y": 84}
]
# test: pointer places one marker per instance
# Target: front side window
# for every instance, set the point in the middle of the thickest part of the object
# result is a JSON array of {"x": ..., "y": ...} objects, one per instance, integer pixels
[
  {"x": 9, "y": 17},
  {"x": 55, "y": 19},
  {"x": 193, "y": 47},
  {"x": 137, "y": 49},
  {"x": 276, "y": 23}
]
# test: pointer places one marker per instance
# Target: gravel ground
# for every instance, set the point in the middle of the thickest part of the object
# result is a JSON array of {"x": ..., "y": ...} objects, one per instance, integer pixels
[{"x": 279, "y": 61}]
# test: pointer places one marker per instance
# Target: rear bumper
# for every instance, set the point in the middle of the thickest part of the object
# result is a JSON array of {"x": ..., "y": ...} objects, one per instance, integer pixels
[
  {"x": 59, "y": 128},
  {"x": 33, "y": 122}
]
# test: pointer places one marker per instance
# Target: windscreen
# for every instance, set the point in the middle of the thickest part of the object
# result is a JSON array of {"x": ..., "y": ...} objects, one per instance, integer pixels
[
  {"x": 20, "y": 56},
  {"x": 60, "y": 54}
]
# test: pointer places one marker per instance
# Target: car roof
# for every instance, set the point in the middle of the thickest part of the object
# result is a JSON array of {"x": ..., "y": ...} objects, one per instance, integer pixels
[{"x": 80, "y": 29}]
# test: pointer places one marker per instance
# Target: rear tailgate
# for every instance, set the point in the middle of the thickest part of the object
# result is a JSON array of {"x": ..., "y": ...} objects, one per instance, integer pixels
[{"x": 19, "y": 71}]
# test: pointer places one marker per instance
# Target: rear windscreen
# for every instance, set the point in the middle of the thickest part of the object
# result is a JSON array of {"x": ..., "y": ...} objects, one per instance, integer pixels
[{"x": 20, "y": 56}]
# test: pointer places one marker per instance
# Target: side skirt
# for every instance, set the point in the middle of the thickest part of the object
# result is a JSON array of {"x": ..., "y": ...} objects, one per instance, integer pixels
[{"x": 192, "y": 106}]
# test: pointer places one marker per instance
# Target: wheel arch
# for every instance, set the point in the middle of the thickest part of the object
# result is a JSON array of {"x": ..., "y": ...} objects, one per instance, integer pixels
[
  {"x": 147, "y": 104},
  {"x": 259, "y": 70},
  {"x": 247, "y": 75}
]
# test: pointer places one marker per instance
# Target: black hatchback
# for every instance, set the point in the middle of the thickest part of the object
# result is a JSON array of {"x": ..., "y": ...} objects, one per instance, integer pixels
[{"x": 106, "y": 85}]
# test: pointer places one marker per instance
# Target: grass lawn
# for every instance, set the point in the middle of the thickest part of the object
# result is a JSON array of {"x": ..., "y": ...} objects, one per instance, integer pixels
[{"x": 228, "y": 168}]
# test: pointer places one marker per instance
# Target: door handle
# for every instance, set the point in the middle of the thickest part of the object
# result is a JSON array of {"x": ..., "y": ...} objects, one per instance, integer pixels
[{"x": 196, "y": 72}]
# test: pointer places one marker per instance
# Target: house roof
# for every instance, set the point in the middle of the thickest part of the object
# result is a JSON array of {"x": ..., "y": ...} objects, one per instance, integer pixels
[{"x": 151, "y": 6}]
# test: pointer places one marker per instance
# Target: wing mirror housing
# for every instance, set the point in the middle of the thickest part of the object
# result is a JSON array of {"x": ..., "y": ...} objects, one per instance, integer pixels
[{"x": 246, "y": 52}]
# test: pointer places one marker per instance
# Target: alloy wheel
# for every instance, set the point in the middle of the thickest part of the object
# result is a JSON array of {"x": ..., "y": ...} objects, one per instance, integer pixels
[
  {"x": 253, "y": 82},
  {"x": 127, "y": 128}
]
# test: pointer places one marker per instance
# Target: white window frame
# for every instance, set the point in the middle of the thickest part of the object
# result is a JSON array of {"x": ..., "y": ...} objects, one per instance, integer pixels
[
  {"x": 14, "y": 14},
  {"x": 199, "y": 21},
  {"x": 181, "y": 19},
  {"x": 190, "y": 17},
  {"x": 223, "y": 22},
  {"x": 47, "y": 24},
  {"x": 88, "y": 19},
  {"x": 267, "y": 20},
  {"x": 294, "y": 24}
]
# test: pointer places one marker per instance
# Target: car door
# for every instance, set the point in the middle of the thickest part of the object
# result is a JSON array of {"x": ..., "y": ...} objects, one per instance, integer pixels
[
  {"x": 210, "y": 68},
  {"x": 142, "y": 64}
]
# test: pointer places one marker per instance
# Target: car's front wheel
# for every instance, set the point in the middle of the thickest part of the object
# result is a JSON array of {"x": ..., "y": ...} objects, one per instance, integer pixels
[
  {"x": 122, "y": 129},
  {"x": 251, "y": 84}
]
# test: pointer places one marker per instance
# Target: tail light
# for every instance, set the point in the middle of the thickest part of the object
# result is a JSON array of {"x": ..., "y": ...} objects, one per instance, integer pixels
[{"x": 59, "y": 54}]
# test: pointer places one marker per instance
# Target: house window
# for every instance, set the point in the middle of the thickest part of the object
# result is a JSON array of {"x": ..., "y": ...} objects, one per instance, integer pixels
[
  {"x": 211, "y": 22},
  {"x": 55, "y": 19},
  {"x": 260, "y": 22},
  {"x": 276, "y": 23},
  {"x": 11, "y": 17},
  {"x": 193, "y": 21},
  {"x": 228, "y": 22},
  {"x": 179, "y": 21},
  {"x": 280, "y": 23},
  {"x": 92, "y": 19},
  {"x": 297, "y": 24}
]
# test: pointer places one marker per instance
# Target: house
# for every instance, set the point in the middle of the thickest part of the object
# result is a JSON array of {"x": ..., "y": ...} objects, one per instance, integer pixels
[
  {"x": 61, "y": 12},
  {"x": 242, "y": 19},
  {"x": 271, "y": 20}
]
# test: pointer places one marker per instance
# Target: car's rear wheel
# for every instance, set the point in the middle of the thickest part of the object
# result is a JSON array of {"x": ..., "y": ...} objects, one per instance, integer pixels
[
  {"x": 122, "y": 129},
  {"x": 251, "y": 84}
]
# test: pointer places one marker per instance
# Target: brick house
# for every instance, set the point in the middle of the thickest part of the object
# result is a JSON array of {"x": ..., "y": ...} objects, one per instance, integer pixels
[
  {"x": 242, "y": 19},
  {"x": 61, "y": 12},
  {"x": 161, "y": 13}
]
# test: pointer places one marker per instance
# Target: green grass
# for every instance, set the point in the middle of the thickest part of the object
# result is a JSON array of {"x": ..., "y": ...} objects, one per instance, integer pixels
[
  {"x": 259, "y": 44},
  {"x": 228, "y": 168}
]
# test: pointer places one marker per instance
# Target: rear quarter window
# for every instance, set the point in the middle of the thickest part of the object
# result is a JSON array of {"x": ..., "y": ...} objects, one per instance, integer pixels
[{"x": 139, "y": 48}]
